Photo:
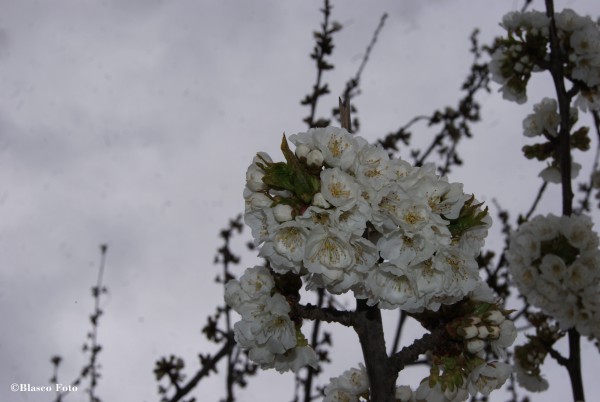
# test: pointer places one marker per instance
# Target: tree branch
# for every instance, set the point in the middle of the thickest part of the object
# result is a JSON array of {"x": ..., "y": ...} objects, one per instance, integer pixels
[
  {"x": 311, "y": 312},
  {"x": 205, "y": 371},
  {"x": 410, "y": 354}
]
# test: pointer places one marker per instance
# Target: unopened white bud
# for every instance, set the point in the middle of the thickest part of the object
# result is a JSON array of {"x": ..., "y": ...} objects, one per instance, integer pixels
[
  {"x": 494, "y": 317},
  {"x": 482, "y": 332},
  {"x": 283, "y": 213},
  {"x": 315, "y": 158},
  {"x": 494, "y": 332},
  {"x": 468, "y": 332},
  {"x": 302, "y": 151},
  {"x": 320, "y": 201},
  {"x": 475, "y": 345},
  {"x": 254, "y": 181}
]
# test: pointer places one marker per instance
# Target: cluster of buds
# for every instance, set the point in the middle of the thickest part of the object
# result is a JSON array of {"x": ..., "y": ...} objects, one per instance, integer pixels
[
  {"x": 459, "y": 372},
  {"x": 476, "y": 331}
]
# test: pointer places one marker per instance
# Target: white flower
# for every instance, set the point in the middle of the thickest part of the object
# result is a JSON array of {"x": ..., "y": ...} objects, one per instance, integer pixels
[
  {"x": 348, "y": 386},
  {"x": 405, "y": 394},
  {"x": 255, "y": 201},
  {"x": 488, "y": 377},
  {"x": 533, "y": 383},
  {"x": 552, "y": 174},
  {"x": 371, "y": 166},
  {"x": 257, "y": 281},
  {"x": 578, "y": 231},
  {"x": 553, "y": 269},
  {"x": 425, "y": 393},
  {"x": 339, "y": 188},
  {"x": 351, "y": 221},
  {"x": 461, "y": 274},
  {"x": 508, "y": 334},
  {"x": 581, "y": 275},
  {"x": 544, "y": 119},
  {"x": 295, "y": 359},
  {"x": 234, "y": 294},
  {"x": 355, "y": 380},
  {"x": 259, "y": 222},
  {"x": 285, "y": 247},
  {"x": 338, "y": 146},
  {"x": 569, "y": 20},
  {"x": 277, "y": 332},
  {"x": 404, "y": 251},
  {"x": 392, "y": 289},
  {"x": 328, "y": 253},
  {"x": 397, "y": 207},
  {"x": 483, "y": 293},
  {"x": 512, "y": 20}
]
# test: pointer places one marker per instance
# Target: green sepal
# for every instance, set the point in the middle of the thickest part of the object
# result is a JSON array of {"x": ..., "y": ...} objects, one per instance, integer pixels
[
  {"x": 470, "y": 217},
  {"x": 482, "y": 308},
  {"x": 292, "y": 176}
]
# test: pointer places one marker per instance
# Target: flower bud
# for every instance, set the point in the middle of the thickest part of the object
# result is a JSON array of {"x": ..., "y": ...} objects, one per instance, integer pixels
[
  {"x": 467, "y": 332},
  {"x": 254, "y": 178},
  {"x": 494, "y": 317},
  {"x": 320, "y": 201},
  {"x": 482, "y": 332},
  {"x": 302, "y": 151},
  {"x": 494, "y": 332},
  {"x": 314, "y": 158},
  {"x": 283, "y": 213},
  {"x": 475, "y": 345}
]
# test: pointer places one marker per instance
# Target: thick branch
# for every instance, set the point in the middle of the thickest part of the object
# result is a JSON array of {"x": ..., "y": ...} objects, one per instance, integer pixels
[
  {"x": 311, "y": 312},
  {"x": 369, "y": 329},
  {"x": 410, "y": 354}
]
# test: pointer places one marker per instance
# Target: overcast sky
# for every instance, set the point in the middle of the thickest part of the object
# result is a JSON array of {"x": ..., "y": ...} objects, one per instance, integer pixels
[{"x": 132, "y": 122}]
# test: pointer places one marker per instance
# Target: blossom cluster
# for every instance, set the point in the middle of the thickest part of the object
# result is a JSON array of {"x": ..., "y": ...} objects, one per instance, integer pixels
[
  {"x": 353, "y": 385},
  {"x": 464, "y": 375},
  {"x": 353, "y": 219},
  {"x": 454, "y": 378},
  {"x": 525, "y": 49},
  {"x": 545, "y": 121},
  {"x": 529, "y": 357},
  {"x": 555, "y": 263},
  {"x": 266, "y": 330}
]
